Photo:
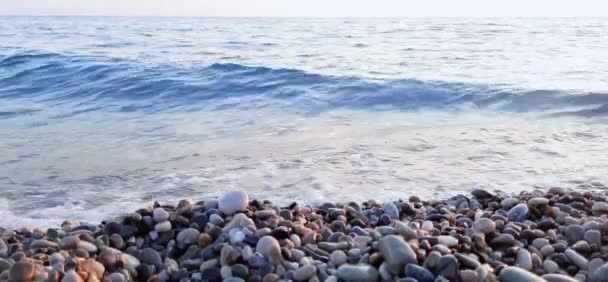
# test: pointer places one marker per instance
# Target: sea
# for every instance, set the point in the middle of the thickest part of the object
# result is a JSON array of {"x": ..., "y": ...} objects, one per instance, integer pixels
[{"x": 100, "y": 116}]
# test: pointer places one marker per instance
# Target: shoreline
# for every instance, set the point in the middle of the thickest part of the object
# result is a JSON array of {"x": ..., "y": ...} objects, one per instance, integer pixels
[{"x": 553, "y": 235}]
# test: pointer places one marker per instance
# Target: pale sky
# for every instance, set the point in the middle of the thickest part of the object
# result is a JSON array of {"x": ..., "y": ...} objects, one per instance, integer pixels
[{"x": 308, "y": 8}]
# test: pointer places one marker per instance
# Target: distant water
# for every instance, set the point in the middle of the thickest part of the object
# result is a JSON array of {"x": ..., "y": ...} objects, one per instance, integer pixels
[{"x": 99, "y": 116}]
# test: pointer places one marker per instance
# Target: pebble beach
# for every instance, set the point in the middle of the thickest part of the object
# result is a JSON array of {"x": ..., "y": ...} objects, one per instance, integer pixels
[{"x": 554, "y": 235}]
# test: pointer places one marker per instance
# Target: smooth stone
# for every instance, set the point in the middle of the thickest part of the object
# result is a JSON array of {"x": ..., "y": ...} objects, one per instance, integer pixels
[
  {"x": 469, "y": 275},
  {"x": 69, "y": 242},
  {"x": 517, "y": 274},
  {"x": 518, "y": 213},
  {"x": 130, "y": 261},
  {"x": 163, "y": 226},
  {"x": 508, "y": 203},
  {"x": 304, "y": 273},
  {"x": 216, "y": 219},
  {"x": 87, "y": 246},
  {"x": 448, "y": 241},
  {"x": 574, "y": 233},
  {"x": 226, "y": 272},
  {"x": 550, "y": 266},
  {"x": 160, "y": 215},
  {"x": 503, "y": 239},
  {"x": 92, "y": 266},
  {"x": 338, "y": 258},
  {"x": 600, "y": 274},
  {"x": 116, "y": 277},
  {"x": 271, "y": 277},
  {"x": 576, "y": 258},
  {"x": 269, "y": 247},
  {"x": 447, "y": 266},
  {"x": 39, "y": 244},
  {"x": 209, "y": 264},
  {"x": 396, "y": 253},
  {"x": 467, "y": 261},
  {"x": 71, "y": 276},
  {"x": 227, "y": 255},
  {"x": 599, "y": 208},
  {"x": 419, "y": 273},
  {"x": 554, "y": 277},
  {"x": 539, "y": 243},
  {"x": 524, "y": 260},
  {"x": 357, "y": 273},
  {"x": 484, "y": 226},
  {"x": 593, "y": 237},
  {"x": 594, "y": 264},
  {"x": 6, "y": 264},
  {"x": 152, "y": 257},
  {"x": 236, "y": 236},
  {"x": 537, "y": 201},
  {"x": 391, "y": 210},
  {"x": 22, "y": 271},
  {"x": 407, "y": 232},
  {"x": 187, "y": 236},
  {"x": 427, "y": 225},
  {"x": 233, "y": 202},
  {"x": 212, "y": 274}
]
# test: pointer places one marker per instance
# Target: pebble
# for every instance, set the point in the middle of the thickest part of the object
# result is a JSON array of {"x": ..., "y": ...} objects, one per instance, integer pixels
[
  {"x": 71, "y": 276},
  {"x": 233, "y": 202},
  {"x": 164, "y": 226},
  {"x": 518, "y": 213},
  {"x": 338, "y": 257},
  {"x": 524, "y": 260},
  {"x": 553, "y": 277},
  {"x": 391, "y": 210},
  {"x": 160, "y": 215},
  {"x": 152, "y": 257},
  {"x": 396, "y": 252},
  {"x": 550, "y": 266},
  {"x": 187, "y": 236},
  {"x": 593, "y": 237},
  {"x": 357, "y": 273},
  {"x": 22, "y": 271},
  {"x": 516, "y": 274},
  {"x": 574, "y": 233},
  {"x": 304, "y": 273},
  {"x": 600, "y": 274},
  {"x": 577, "y": 258},
  {"x": 419, "y": 273},
  {"x": 599, "y": 208},
  {"x": 269, "y": 247},
  {"x": 484, "y": 226}
]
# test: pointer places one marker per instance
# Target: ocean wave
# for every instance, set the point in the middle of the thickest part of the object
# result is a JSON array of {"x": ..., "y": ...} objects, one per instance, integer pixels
[{"x": 98, "y": 83}]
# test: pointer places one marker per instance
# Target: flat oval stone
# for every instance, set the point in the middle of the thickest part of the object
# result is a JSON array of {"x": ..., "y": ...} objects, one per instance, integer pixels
[
  {"x": 39, "y": 244},
  {"x": 517, "y": 274},
  {"x": 524, "y": 260},
  {"x": 357, "y": 273},
  {"x": 537, "y": 201},
  {"x": 419, "y": 273},
  {"x": 304, "y": 273},
  {"x": 164, "y": 226},
  {"x": 554, "y": 277}
]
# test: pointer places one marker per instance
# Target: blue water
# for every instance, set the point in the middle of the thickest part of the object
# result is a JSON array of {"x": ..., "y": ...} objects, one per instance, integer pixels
[{"x": 100, "y": 115}]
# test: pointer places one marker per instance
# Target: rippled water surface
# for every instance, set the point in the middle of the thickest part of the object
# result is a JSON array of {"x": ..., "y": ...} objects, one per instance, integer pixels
[{"x": 101, "y": 115}]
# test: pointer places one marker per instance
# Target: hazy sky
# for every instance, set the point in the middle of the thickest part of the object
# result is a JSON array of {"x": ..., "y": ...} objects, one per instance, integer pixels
[{"x": 307, "y": 8}]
